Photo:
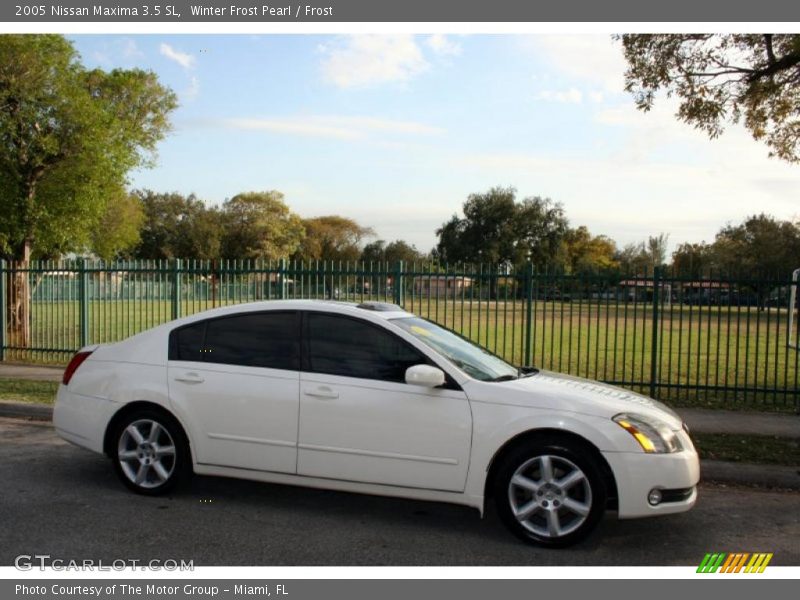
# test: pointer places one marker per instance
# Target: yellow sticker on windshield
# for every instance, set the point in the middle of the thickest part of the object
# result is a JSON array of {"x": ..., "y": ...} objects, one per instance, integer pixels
[{"x": 420, "y": 330}]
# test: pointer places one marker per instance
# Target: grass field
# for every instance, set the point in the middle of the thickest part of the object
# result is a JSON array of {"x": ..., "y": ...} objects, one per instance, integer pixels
[
  {"x": 23, "y": 390},
  {"x": 705, "y": 356}
]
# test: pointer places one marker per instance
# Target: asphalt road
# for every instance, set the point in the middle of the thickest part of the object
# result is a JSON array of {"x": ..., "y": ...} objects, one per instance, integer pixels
[{"x": 63, "y": 501}]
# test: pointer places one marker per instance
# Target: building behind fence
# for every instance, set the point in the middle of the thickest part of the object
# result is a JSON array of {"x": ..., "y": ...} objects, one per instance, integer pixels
[{"x": 710, "y": 341}]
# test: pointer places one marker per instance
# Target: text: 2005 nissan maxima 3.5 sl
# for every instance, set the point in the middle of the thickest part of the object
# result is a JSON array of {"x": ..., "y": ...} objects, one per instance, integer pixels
[{"x": 373, "y": 399}]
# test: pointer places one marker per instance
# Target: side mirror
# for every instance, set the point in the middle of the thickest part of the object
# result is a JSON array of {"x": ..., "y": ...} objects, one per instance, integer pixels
[{"x": 424, "y": 375}]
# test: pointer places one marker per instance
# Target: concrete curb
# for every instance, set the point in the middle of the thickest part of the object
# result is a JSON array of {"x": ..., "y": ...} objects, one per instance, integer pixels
[
  {"x": 24, "y": 410},
  {"x": 718, "y": 471},
  {"x": 784, "y": 425},
  {"x": 768, "y": 476}
]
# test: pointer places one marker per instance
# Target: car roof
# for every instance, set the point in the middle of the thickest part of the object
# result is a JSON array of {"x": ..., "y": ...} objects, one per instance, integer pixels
[
  {"x": 375, "y": 310},
  {"x": 147, "y": 346}
]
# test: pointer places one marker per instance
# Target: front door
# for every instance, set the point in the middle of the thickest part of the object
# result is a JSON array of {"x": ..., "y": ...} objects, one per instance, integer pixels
[{"x": 360, "y": 421}]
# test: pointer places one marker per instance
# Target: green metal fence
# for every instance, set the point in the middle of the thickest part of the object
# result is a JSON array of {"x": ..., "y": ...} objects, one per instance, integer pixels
[{"x": 708, "y": 342}]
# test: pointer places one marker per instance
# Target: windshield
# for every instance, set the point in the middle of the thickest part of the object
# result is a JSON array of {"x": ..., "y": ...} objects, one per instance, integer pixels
[{"x": 473, "y": 360}]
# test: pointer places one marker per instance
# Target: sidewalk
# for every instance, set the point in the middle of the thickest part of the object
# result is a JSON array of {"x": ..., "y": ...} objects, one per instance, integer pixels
[{"x": 34, "y": 372}]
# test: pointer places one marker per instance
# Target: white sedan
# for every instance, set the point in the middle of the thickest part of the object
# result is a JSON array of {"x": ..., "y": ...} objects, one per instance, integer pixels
[{"x": 369, "y": 398}]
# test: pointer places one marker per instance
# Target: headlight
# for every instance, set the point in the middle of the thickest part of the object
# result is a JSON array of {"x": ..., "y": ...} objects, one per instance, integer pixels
[{"x": 653, "y": 436}]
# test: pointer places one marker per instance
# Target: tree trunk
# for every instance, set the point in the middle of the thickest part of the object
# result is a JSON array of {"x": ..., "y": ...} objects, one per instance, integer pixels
[
  {"x": 19, "y": 300},
  {"x": 19, "y": 289}
]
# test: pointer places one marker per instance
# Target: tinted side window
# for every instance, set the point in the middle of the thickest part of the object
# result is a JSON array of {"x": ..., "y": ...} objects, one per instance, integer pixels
[
  {"x": 350, "y": 348},
  {"x": 255, "y": 340},
  {"x": 186, "y": 343}
]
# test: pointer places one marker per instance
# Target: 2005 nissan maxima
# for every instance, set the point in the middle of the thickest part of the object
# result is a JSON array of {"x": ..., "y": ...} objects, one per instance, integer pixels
[{"x": 370, "y": 398}]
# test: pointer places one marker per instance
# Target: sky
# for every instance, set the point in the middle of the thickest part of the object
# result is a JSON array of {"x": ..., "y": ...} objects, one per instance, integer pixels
[{"x": 396, "y": 131}]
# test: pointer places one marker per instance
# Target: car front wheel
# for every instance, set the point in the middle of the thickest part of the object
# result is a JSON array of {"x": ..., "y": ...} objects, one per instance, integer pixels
[
  {"x": 550, "y": 492},
  {"x": 150, "y": 453}
]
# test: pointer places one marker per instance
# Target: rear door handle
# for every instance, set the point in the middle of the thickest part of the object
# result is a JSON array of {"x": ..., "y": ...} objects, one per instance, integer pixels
[
  {"x": 190, "y": 378},
  {"x": 322, "y": 392}
]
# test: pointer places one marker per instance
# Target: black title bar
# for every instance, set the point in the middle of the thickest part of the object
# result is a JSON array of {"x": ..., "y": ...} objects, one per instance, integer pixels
[{"x": 400, "y": 10}]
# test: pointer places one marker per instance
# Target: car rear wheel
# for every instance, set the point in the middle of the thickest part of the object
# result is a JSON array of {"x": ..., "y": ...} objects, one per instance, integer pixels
[
  {"x": 150, "y": 454},
  {"x": 550, "y": 492}
]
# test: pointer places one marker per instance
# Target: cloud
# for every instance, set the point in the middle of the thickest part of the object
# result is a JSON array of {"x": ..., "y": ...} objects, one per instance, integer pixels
[
  {"x": 104, "y": 58},
  {"x": 291, "y": 126},
  {"x": 596, "y": 96},
  {"x": 387, "y": 125},
  {"x": 130, "y": 50},
  {"x": 570, "y": 96},
  {"x": 122, "y": 51},
  {"x": 347, "y": 128},
  {"x": 443, "y": 46},
  {"x": 194, "y": 88},
  {"x": 651, "y": 172},
  {"x": 361, "y": 61},
  {"x": 591, "y": 59},
  {"x": 182, "y": 58}
]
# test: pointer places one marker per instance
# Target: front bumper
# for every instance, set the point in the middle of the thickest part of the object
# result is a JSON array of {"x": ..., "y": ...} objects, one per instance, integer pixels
[{"x": 637, "y": 473}]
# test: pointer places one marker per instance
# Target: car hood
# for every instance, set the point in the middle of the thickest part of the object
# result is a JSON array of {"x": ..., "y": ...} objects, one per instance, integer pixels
[{"x": 549, "y": 390}]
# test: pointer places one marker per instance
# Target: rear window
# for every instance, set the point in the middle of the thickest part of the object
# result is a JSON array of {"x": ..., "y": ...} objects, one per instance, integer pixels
[
  {"x": 186, "y": 343},
  {"x": 268, "y": 340}
]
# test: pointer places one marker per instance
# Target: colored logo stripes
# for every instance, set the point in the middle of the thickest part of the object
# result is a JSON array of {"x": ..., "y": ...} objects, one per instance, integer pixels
[{"x": 735, "y": 562}]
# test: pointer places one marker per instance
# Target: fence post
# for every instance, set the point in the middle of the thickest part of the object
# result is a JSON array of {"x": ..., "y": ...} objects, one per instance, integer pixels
[
  {"x": 528, "y": 285},
  {"x": 3, "y": 308},
  {"x": 177, "y": 265},
  {"x": 398, "y": 283},
  {"x": 282, "y": 280},
  {"x": 83, "y": 299},
  {"x": 654, "y": 335}
]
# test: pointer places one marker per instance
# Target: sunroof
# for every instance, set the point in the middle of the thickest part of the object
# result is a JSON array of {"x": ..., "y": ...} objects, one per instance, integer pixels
[{"x": 381, "y": 307}]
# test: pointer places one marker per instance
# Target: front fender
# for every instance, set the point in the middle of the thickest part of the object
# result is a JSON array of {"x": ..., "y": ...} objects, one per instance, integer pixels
[{"x": 495, "y": 424}]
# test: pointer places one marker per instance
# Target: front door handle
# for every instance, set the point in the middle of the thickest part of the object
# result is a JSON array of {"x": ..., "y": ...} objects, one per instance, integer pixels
[
  {"x": 190, "y": 378},
  {"x": 322, "y": 392}
]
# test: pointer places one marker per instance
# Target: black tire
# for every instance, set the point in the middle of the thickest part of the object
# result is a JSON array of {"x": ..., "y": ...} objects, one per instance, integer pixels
[
  {"x": 147, "y": 466},
  {"x": 569, "y": 461}
]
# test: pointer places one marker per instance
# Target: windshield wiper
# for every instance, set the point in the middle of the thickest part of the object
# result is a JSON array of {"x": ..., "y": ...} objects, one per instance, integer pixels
[{"x": 504, "y": 378}]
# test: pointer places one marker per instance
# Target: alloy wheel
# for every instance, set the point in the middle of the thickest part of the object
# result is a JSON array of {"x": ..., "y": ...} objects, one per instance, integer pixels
[
  {"x": 550, "y": 496},
  {"x": 146, "y": 453}
]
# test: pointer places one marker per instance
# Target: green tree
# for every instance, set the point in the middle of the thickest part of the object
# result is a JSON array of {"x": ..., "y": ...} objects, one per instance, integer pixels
[
  {"x": 633, "y": 259},
  {"x": 259, "y": 225},
  {"x": 497, "y": 229},
  {"x": 541, "y": 226},
  {"x": 332, "y": 237},
  {"x": 656, "y": 249},
  {"x": 587, "y": 253},
  {"x": 722, "y": 79},
  {"x": 177, "y": 226},
  {"x": 692, "y": 260},
  {"x": 69, "y": 136},
  {"x": 644, "y": 257},
  {"x": 118, "y": 229},
  {"x": 451, "y": 246},
  {"x": 380, "y": 251},
  {"x": 759, "y": 246}
]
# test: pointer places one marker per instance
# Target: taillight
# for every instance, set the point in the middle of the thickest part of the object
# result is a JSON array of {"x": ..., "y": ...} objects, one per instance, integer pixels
[{"x": 73, "y": 365}]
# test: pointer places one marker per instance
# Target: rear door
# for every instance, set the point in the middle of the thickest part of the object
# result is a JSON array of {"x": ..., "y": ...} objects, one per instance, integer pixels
[
  {"x": 360, "y": 420},
  {"x": 234, "y": 381}
]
